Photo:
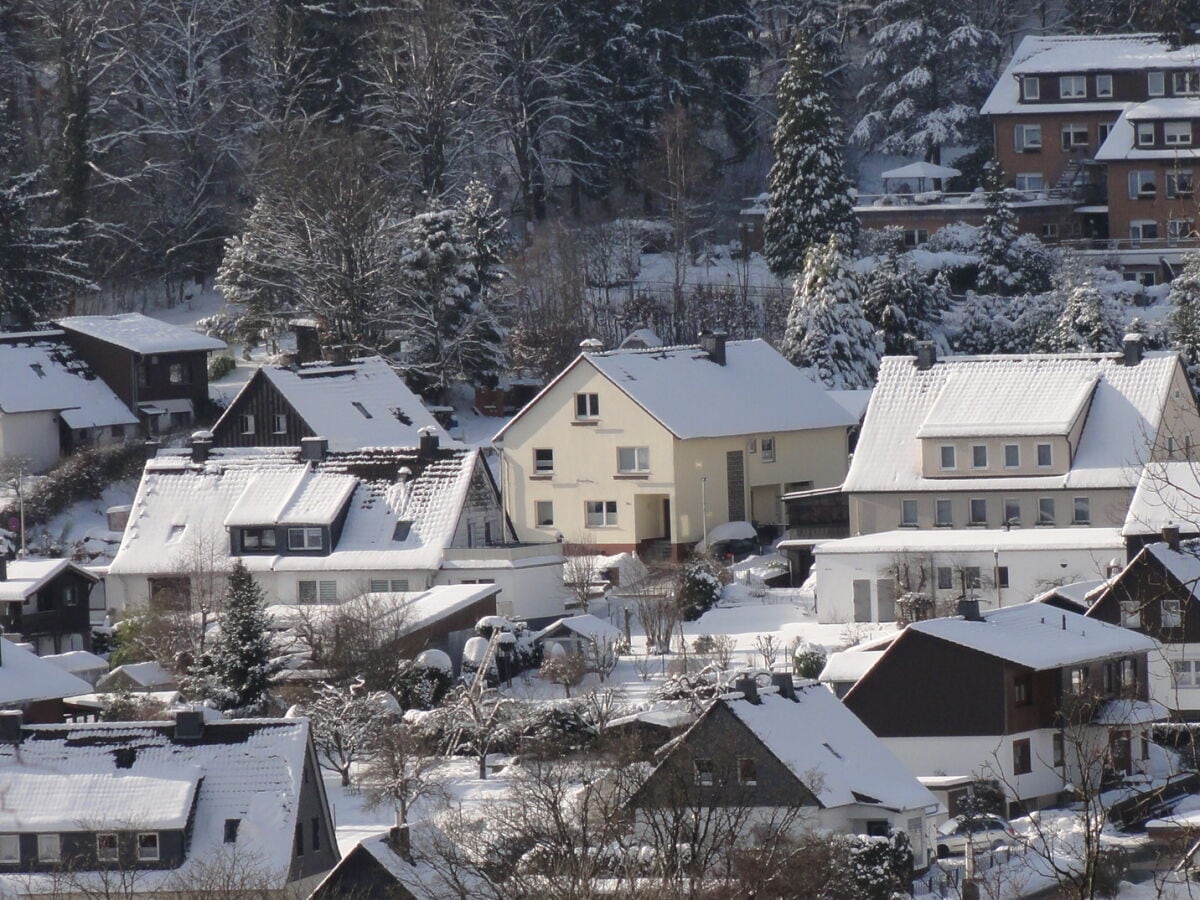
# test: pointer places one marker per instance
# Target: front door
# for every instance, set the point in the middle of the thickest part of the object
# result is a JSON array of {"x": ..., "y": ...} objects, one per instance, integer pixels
[{"x": 862, "y": 600}]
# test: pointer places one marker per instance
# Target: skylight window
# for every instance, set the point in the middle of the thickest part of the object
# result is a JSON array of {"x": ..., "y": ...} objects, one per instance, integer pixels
[
  {"x": 403, "y": 527},
  {"x": 38, "y": 370},
  {"x": 362, "y": 409},
  {"x": 175, "y": 533}
]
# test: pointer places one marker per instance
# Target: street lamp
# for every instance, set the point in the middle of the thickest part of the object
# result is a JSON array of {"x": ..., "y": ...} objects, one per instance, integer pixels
[{"x": 704, "y": 508}]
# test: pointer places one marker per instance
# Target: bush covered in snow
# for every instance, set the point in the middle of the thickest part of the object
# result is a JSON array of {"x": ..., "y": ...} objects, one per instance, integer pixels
[
  {"x": 699, "y": 587},
  {"x": 809, "y": 660}
]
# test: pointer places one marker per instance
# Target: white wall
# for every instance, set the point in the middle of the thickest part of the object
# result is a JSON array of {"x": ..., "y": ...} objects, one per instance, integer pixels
[
  {"x": 32, "y": 435},
  {"x": 534, "y": 591}
]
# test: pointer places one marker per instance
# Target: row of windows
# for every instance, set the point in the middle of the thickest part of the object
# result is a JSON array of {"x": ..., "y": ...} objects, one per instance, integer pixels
[
  {"x": 948, "y": 455},
  {"x": 177, "y": 373},
  {"x": 1114, "y": 677},
  {"x": 1027, "y": 137},
  {"x": 314, "y": 832},
  {"x": 297, "y": 539},
  {"x": 279, "y": 423},
  {"x": 1075, "y": 87},
  {"x": 596, "y": 513},
  {"x": 636, "y": 460},
  {"x": 977, "y": 511},
  {"x": 1143, "y": 184},
  {"x": 1148, "y": 230},
  {"x": 49, "y": 847},
  {"x": 704, "y": 773},
  {"x": 315, "y": 591}
]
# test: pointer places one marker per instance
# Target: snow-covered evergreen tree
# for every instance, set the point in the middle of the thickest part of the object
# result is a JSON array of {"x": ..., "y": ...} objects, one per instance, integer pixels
[
  {"x": 896, "y": 301},
  {"x": 809, "y": 192},
  {"x": 826, "y": 329},
  {"x": 1090, "y": 321},
  {"x": 985, "y": 326},
  {"x": 929, "y": 68},
  {"x": 235, "y": 673},
  {"x": 1183, "y": 322},
  {"x": 1009, "y": 263}
]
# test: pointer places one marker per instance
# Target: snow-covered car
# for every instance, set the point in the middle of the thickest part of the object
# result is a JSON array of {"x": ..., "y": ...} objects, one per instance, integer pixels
[
  {"x": 734, "y": 550},
  {"x": 984, "y": 832}
]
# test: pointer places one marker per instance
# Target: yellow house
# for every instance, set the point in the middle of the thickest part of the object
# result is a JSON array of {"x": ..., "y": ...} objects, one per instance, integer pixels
[{"x": 634, "y": 449}]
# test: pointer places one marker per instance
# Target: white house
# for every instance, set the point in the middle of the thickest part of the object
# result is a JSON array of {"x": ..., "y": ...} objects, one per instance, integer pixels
[
  {"x": 859, "y": 579},
  {"x": 321, "y": 527}
]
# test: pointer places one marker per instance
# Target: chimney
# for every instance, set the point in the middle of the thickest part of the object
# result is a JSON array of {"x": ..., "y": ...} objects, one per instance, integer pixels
[
  {"x": 1132, "y": 345},
  {"x": 338, "y": 355},
  {"x": 150, "y": 449},
  {"x": 969, "y": 610},
  {"x": 591, "y": 345},
  {"x": 287, "y": 361},
  {"x": 399, "y": 840},
  {"x": 429, "y": 442},
  {"x": 749, "y": 688},
  {"x": 1170, "y": 536},
  {"x": 713, "y": 343},
  {"x": 785, "y": 683},
  {"x": 11, "y": 721},
  {"x": 926, "y": 356},
  {"x": 308, "y": 343},
  {"x": 202, "y": 442},
  {"x": 314, "y": 449},
  {"x": 189, "y": 725}
]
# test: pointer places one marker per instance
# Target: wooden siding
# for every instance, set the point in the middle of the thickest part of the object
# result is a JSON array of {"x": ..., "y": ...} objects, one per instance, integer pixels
[
  {"x": 261, "y": 399},
  {"x": 118, "y": 367},
  {"x": 1147, "y": 583}
]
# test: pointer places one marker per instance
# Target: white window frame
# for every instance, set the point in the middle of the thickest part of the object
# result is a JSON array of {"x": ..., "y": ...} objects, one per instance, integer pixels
[
  {"x": 946, "y": 505},
  {"x": 587, "y": 406},
  {"x": 976, "y": 455},
  {"x": 542, "y": 466},
  {"x": 1104, "y": 85},
  {"x": 633, "y": 460},
  {"x": 143, "y": 854},
  {"x": 1173, "y": 617},
  {"x": 279, "y": 423},
  {"x": 1027, "y": 137},
  {"x": 1173, "y": 178},
  {"x": 540, "y": 520},
  {"x": 1072, "y": 87},
  {"x": 1178, "y": 230},
  {"x": 600, "y": 513},
  {"x": 1130, "y": 612},
  {"x": 915, "y": 237},
  {"x": 972, "y": 519},
  {"x": 1050, "y": 231},
  {"x": 953, "y": 457},
  {"x": 1009, "y": 504},
  {"x": 909, "y": 512},
  {"x": 1030, "y": 182},
  {"x": 49, "y": 847},
  {"x": 1047, "y": 511},
  {"x": 1185, "y": 83},
  {"x": 1156, "y": 84},
  {"x": 1071, "y": 133},
  {"x": 1015, "y": 463},
  {"x": 1138, "y": 229},
  {"x": 1078, "y": 503},
  {"x": 1177, "y": 134},
  {"x": 1049, "y": 448},
  {"x": 1103, "y": 130},
  {"x": 10, "y": 848},
  {"x": 305, "y": 537},
  {"x": 1144, "y": 132},
  {"x": 944, "y": 578},
  {"x": 1028, "y": 82},
  {"x": 247, "y": 423},
  {"x": 1183, "y": 672},
  {"x": 766, "y": 448}
]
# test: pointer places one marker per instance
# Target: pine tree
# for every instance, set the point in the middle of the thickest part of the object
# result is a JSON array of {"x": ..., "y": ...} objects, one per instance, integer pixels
[
  {"x": 930, "y": 68},
  {"x": 826, "y": 329},
  {"x": 1009, "y": 263},
  {"x": 897, "y": 303},
  {"x": 1090, "y": 321},
  {"x": 236, "y": 673},
  {"x": 809, "y": 192},
  {"x": 1183, "y": 321}
]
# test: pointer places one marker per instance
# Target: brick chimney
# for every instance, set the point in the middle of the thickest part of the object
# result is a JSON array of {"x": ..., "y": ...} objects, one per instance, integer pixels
[
  {"x": 748, "y": 687},
  {"x": 969, "y": 610},
  {"x": 201, "y": 443},
  {"x": 785, "y": 683},
  {"x": 713, "y": 343},
  {"x": 429, "y": 442},
  {"x": 926, "y": 356},
  {"x": 1133, "y": 347},
  {"x": 314, "y": 449},
  {"x": 1170, "y": 536}
]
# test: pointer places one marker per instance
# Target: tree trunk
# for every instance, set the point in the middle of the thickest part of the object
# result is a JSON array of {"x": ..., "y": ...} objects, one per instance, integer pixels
[{"x": 345, "y": 770}]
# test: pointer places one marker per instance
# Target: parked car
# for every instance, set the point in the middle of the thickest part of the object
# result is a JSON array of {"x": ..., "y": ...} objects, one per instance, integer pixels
[
  {"x": 734, "y": 550},
  {"x": 984, "y": 832}
]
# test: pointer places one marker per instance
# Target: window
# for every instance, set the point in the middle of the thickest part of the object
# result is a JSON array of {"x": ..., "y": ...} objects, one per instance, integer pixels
[
  {"x": 600, "y": 513},
  {"x": 1031, "y": 182},
  {"x": 299, "y": 839},
  {"x": 1178, "y": 229},
  {"x": 943, "y": 512},
  {"x": 366, "y": 414},
  {"x": 1012, "y": 456},
  {"x": 1074, "y": 136},
  {"x": 304, "y": 539},
  {"x": 178, "y": 373},
  {"x": 231, "y": 830},
  {"x": 1143, "y": 230},
  {"x": 1050, "y": 231},
  {"x": 1046, "y": 511},
  {"x": 1131, "y": 613},
  {"x": 1012, "y": 511},
  {"x": 978, "y": 512},
  {"x": 1072, "y": 87},
  {"x": 703, "y": 769},
  {"x": 587, "y": 406},
  {"x": 1184, "y": 672},
  {"x": 1022, "y": 758},
  {"x": 1177, "y": 134},
  {"x": 315, "y": 828},
  {"x": 747, "y": 771},
  {"x": 1155, "y": 84},
  {"x": 107, "y": 846},
  {"x": 637, "y": 459},
  {"x": 279, "y": 423},
  {"x": 767, "y": 445},
  {"x": 49, "y": 848},
  {"x": 402, "y": 530},
  {"x": 1145, "y": 279},
  {"x": 979, "y": 456},
  {"x": 908, "y": 512},
  {"x": 1109, "y": 678},
  {"x": 945, "y": 578},
  {"x": 1185, "y": 82},
  {"x": 1031, "y": 88},
  {"x": 1023, "y": 690},
  {"x": 1103, "y": 130},
  {"x": 1081, "y": 512},
  {"x": 314, "y": 591},
  {"x": 247, "y": 422},
  {"x": 1128, "y": 672},
  {"x": 543, "y": 513},
  {"x": 1001, "y": 576},
  {"x": 1172, "y": 613},
  {"x": 543, "y": 461},
  {"x": 1078, "y": 679},
  {"x": 947, "y": 457},
  {"x": 915, "y": 237},
  {"x": 70, "y": 595},
  {"x": 1057, "y": 749},
  {"x": 1142, "y": 184},
  {"x": 327, "y": 591},
  {"x": 1179, "y": 183},
  {"x": 147, "y": 844},
  {"x": 1104, "y": 86},
  {"x": 10, "y": 848},
  {"x": 1045, "y": 455},
  {"x": 258, "y": 539},
  {"x": 1027, "y": 138},
  {"x": 971, "y": 579},
  {"x": 1145, "y": 134}
]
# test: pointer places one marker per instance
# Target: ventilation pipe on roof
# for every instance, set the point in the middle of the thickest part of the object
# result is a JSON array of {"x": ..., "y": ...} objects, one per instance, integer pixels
[
  {"x": 926, "y": 355},
  {"x": 399, "y": 840},
  {"x": 150, "y": 449},
  {"x": 748, "y": 688},
  {"x": 11, "y": 721},
  {"x": 968, "y": 608},
  {"x": 189, "y": 725},
  {"x": 314, "y": 449},
  {"x": 1170, "y": 536},
  {"x": 785, "y": 683},
  {"x": 308, "y": 343},
  {"x": 202, "y": 442},
  {"x": 429, "y": 442},
  {"x": 1132, "y": 346},
  {"x": 338, "y": 355},
  {"x": 713, "y": 343}
]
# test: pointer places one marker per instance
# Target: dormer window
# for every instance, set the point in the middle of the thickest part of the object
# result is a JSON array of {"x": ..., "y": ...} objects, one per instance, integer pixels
[
  {"x": 1177, "y": 134},
  {"x": 10, "y": 848},
  {"x": 107, "y": 846},
  {"x": 947, "y": 456},
  {"x": 1031, "y": 88},
  {"x": 1155, "y": 84},
  {"x": 1072, "y": 87},
  {"x": 1145, "y": 134},
  {"x": 1104, "y": 86},
  {"x": 258, "y": 539},
  {"x": 1185, "y": 83},
  {"x": 305, "y": 539},
  {"x": 979, "y": 456},
  {"x": 148, "y": 846}
]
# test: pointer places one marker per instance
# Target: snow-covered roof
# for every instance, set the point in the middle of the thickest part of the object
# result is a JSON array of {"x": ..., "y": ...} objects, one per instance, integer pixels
[
  {"x": 76, "y": 661},
  {"x": 849, "y": 665},
  {"x": 1104, "y": 541},
  {"x": 47, "y": 375},
  {"x": 26, "y": 678},
  {"x": 1037, "y": 637},
  {"x": 361, "y": 403},
  {"x": 180, "y": 502},
  {"x": 757, "y": 391},
  {"x": 1183, "y": 564},
  {"x": 291, "y": 497},
  {"x": 1019, "y": 399},
  {"x": 27, "y": 576},
  {"x": 1168, "y": 493},
  {"x": 921, "y": 170},
  {"x": 1068, "y": 54},
  {"x": 1121, "y": 142},
  {"x": 830, "y": 750},
  {"x": 727, "y": 531},
  {"x": 585, "y": 625},
  {"x": 142, "y": 675},
  {"x": 122, "y": 774},
  {"x": 641, "y": 338},
  {"x": 141, "y": 334},
  {"x": 420, "y": 874},
  {"x": 424, "y": 608},
  {"x": 852, "y": 401},
  {"x": 1080, "y": 593},
  {"x": 1125, "y": 410}
]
